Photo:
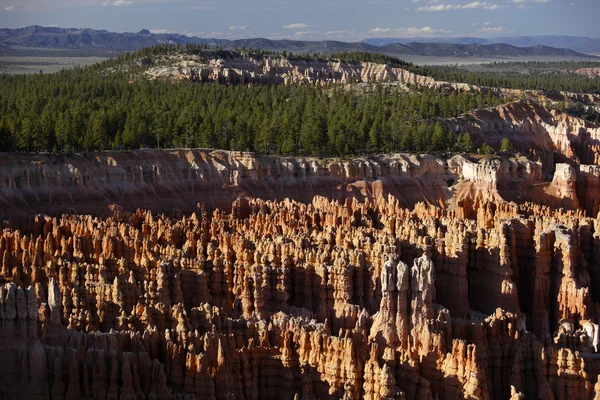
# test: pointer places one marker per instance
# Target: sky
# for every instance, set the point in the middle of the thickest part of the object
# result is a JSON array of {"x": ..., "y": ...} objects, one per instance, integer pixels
[{"x": 346, "y": 20}]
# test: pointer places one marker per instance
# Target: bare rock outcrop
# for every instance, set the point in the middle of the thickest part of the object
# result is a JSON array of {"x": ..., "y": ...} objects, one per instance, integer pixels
[
  {"x": 246, "y": 69},
  {"x": 533, "y": 129}
]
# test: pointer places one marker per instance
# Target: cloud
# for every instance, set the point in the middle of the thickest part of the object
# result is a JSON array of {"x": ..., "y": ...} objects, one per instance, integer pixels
[
  {"x": 321, "y": 35},
  {"x": 9, "y": 8},
  {"x": 212, "y": 35},
  {"x": 118, "y": 3},
  {"x": 494, "y": 29},
  {"x": 238, "y": 28},
  {"x": 299, "y": 25},
  {"x": 380, "y": 30},
  {"x": 484, "y": 5},
  {"x": 426, "y": 30},
  {"x": 521, "y": 4},
  {"x": 160, "y": 31}
]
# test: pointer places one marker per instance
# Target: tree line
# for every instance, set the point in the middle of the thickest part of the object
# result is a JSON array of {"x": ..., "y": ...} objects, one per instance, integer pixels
[
  {"x": 90, "y": 109},
  {"x": 548, "y": 81}
]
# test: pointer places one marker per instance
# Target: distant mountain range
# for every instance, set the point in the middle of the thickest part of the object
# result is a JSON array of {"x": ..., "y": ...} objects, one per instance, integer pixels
[
  {"x": 77, "y": 39},
  {"x": 579, "y": 44},
  {"x": 37, "y": 40}
]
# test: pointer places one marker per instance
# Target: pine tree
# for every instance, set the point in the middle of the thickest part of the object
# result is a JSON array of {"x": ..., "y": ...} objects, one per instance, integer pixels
[
  {"x": 506, "y": 146},
  {"x": 486, "y": 149},
  {"x": 438, "y": 138},
  {"x": 465, "y": 144}
]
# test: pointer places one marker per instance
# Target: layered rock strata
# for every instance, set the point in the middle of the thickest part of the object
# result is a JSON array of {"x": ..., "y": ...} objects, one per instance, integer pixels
[
  {"x": 532, "y": 129},
  {"x": 164, "y": 180}
]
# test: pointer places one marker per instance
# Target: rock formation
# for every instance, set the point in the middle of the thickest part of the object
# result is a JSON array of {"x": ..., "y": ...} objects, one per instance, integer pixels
[
  {"x": 251, "y": 69},
  {"x": 591, "y": 72},
  {"x": 181, "y": 274},
  {"x": 533, "y": 129},
  {"x": 285, "y": 299}
]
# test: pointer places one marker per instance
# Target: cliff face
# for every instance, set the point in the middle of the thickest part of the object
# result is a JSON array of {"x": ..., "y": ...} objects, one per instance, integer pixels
[
  {"x": 533, "y": 129},
  {"x": 180, "y": 179},
  {"x": 591, "y": 72},
  {"x": 164, "y": 180}
]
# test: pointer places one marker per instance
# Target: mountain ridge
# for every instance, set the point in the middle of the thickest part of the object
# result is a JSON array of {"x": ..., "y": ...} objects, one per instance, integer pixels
[
  {"x": 86, "y": 39},
  {"x": 580, "y": 44}
]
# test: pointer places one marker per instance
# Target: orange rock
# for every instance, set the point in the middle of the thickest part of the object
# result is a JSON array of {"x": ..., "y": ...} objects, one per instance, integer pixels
[{"x": 324, "y": 299}]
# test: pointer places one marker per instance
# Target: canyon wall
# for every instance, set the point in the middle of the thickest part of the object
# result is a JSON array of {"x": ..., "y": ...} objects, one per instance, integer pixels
[
  {"x": 533, "y": 129},
  {"x": 164, "y": 180}
]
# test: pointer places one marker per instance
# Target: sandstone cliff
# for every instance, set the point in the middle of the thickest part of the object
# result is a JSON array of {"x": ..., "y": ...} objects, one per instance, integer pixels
[
  {"x": 164, "y": 180},
  {"x": 591, "y": 72},
  {"x": 533, "y": 129}
]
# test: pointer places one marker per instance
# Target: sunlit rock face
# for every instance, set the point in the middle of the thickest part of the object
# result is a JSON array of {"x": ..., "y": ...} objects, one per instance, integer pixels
[
  {"x": 241, "y": 70},
  {"x": 181, "y": 274},
  {"x": 324, "y": 299}
]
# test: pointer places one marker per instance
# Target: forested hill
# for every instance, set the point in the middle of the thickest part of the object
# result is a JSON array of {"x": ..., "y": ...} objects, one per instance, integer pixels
[
  {"x": 185, "y": 60},
  {"x": 103, "y": 42},
  {"x": 114, "y": 105},
  {"x": 111, "y": 106}
]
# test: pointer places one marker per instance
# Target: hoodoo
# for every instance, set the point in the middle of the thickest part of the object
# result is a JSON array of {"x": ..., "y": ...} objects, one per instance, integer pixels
[
  {"x": 194, "y": 221},
  {"x": 295, "y": 277}
]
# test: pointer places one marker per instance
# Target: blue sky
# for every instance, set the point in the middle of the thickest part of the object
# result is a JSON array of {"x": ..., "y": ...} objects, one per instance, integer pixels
[{"x": 313, "y": 19}]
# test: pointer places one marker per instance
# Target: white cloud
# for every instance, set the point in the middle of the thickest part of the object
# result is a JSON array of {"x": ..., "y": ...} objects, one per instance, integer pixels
[
  {"x": 531, "y": 1},
  {"x": 118, "y": 3},
  {"x": 426, "y": 30},
  {"x": 238, "y": 28},
  {"x": 494, "y": 29},
  {"x": 160, "y": 31},
  {"x": 484, "y": 5},
  {"x": 9, "y": 8},
  {"x": 299, "y": 25},
  {"x": 380, "y": 30},
  {"x": 321, "y": 35},
  {"x": 212, "y": 35}
]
